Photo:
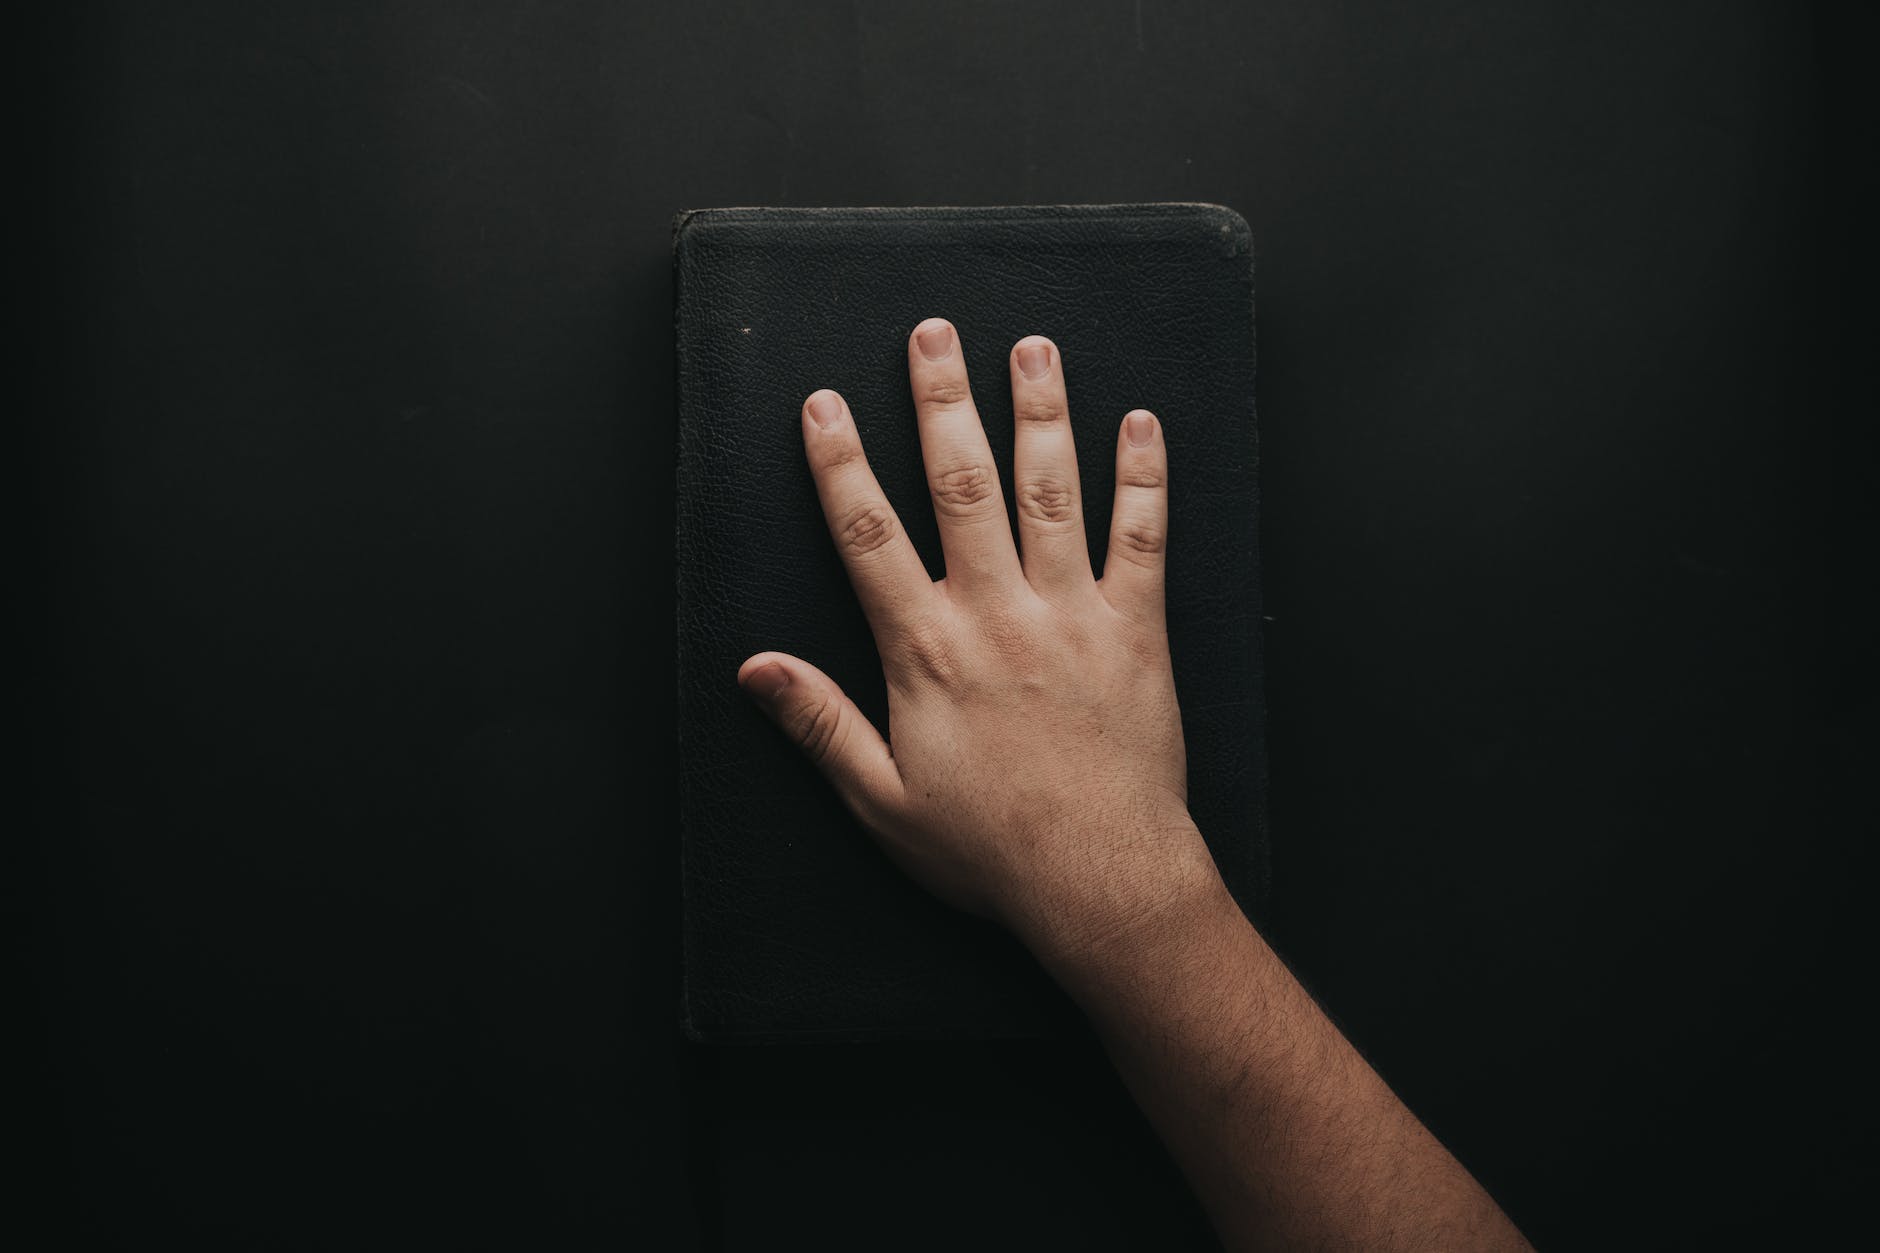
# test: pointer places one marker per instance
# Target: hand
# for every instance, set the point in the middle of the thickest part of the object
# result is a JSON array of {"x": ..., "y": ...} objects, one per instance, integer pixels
[
  {"x": 1036, "y": 773},
  {"x": 1037, "y": 776}
]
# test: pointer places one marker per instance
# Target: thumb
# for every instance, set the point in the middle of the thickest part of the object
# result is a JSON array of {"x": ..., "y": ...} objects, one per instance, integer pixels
[{"x": 827, "y": 726}]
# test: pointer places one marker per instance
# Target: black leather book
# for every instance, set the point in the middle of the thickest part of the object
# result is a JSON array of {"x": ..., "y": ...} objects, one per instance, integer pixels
[{"x": 795, "y": 926}]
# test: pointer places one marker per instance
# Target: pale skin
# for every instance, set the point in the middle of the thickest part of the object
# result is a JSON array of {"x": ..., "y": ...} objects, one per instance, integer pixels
[{"x": 1034, "y": 773}]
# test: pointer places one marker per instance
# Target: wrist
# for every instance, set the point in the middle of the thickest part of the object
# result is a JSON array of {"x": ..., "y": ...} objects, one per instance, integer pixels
[{"x": 1132, "y": 922}]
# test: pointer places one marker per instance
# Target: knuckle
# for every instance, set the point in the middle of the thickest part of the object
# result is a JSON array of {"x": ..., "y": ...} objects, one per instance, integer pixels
[
  {"x": 1047, "y": 500},
  {"x": 1038, "y": 409},
  {"x": 818, "y": 729},
  {"x": 1150, "y": 648},
  {"x": 1142, "y": 476},
  {"x": 1140, "y": 539},
  {"x": 1009, "y": 633},
  {"x": 867, "y": 528},
  {"x": 963, "y": 488},
  {"x": 945, "y": 392},
  {"x": 846, "y": 453},
  {"x": 927, "y": 655}
]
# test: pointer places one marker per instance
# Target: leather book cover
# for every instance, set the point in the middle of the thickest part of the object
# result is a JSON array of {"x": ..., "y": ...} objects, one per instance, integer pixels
[{"x": 795, "y": 926}]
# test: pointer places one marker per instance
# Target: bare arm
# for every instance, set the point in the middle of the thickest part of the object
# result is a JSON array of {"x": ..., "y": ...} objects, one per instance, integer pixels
[
  {"x": 1290, "y": 1139},
  {"x": 1037, "y": 776}
]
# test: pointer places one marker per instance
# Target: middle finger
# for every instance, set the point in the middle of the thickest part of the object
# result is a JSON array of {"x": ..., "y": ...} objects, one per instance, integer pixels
[{"x": 967, "y": 501}]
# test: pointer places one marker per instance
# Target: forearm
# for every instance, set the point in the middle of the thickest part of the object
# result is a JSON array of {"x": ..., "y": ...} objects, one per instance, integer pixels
[{"x": 1288, "y": 1136}]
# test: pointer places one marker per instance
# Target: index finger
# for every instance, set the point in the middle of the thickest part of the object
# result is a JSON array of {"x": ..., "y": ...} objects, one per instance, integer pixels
[{"x": 887, "y": 573}]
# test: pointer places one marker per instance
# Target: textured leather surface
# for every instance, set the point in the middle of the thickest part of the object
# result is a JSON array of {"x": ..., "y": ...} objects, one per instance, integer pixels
[{"x": 795, "y": 925}]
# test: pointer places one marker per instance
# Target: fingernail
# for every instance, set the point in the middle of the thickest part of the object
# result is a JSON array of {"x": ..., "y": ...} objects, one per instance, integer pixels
[
  {"x": 1139, "y": 429},
  {"x": 1034, "y": 360},
  {"x": 935, "y": 341},
  {"x": 766, "y": 681},
  {"x": 825, "y": 409}
]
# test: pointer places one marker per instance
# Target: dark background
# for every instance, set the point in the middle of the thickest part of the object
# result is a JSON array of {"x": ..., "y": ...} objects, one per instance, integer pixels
[{"x": 352, "y": 916}]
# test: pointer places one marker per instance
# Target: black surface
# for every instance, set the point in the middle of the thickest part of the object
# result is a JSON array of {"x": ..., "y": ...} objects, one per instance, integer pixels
[
  {"x": 795, "y": 924},
  {"x": 353, "y": 913}
]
